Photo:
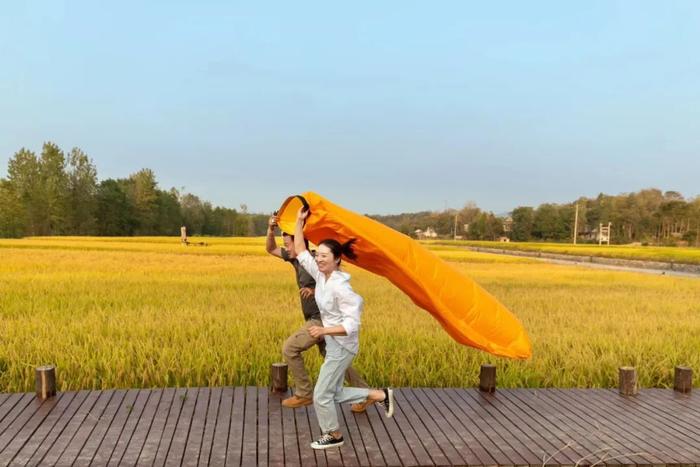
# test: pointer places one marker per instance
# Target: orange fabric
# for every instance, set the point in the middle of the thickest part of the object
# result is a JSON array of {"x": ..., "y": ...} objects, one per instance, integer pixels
[{"x": 468, "y": 313}]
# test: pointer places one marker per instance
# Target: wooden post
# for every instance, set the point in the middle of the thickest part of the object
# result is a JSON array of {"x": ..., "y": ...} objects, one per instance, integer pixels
[
  {"x": 487, "y": 378},
  {"x": 683, "y": 381},
  {"x": 278, "y": 377},
  {"x": 628, "y": 381},
  {"x": 45, "y": 379}
]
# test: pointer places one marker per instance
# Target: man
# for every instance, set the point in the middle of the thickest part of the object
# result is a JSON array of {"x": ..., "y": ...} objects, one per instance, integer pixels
[{"x": 301, "y": 340}]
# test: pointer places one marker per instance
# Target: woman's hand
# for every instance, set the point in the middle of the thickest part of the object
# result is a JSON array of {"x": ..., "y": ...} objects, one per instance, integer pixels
[
  {"x": 317, "y": 331},
  {"x": 302, "y": 214}
]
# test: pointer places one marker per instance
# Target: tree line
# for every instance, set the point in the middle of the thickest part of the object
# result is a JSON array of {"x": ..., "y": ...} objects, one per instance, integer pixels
[
  {"x": 58, "y": 193},
  {"x": 55, "y": 193},
  {"x": 648, "y": 216}
]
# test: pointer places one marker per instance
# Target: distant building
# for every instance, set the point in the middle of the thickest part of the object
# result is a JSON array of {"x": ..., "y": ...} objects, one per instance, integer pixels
[
  {"x": 504, "y": 239},
  {"x": 427, "y": 233},
  {"x": 507, "y": 224}
]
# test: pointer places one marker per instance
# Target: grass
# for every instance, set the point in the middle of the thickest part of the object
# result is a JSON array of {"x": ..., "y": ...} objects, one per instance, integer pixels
[
  {"x": 149, "y": 312},
  {"x": 687, "y": 255}
]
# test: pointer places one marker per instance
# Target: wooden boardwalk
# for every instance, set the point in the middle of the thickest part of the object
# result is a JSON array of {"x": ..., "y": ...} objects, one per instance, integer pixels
[{"x": 248, "y": 426}]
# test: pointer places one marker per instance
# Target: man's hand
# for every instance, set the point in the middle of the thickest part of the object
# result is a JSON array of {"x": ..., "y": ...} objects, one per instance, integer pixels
[
  {"x": 306, "y": 292},
  {"x": 316, "y": 331},
  {"x": 272, "y": 222}
]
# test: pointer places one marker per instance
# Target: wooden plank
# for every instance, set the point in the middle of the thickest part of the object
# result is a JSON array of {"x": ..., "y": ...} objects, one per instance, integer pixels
[
  {"x": 628, "y": 426},
  {"x": 275, "y": 441},
  {"x": 221, "y": 431},
  {"x": 51, "y": 457},
  {"x": 631, "y": 423},
  {"x": 459, "y": 437},
  {"x": 8, "y": 405},
  {"x": 104, "y": 450},
  {"x": 249, "y": 456},
  {"x": 23, "y": 401},
  {"x": 348, "y": 454},
  {"x": 391, "y": 456},
  {"x": 321, "y": 458},
  {"x": 155, "y": 432},
  {"x": 182, "y": 429},
  {"x": 262, "y": 426},
  {"x": 332, "y": 456},
  {"x": 23, "y": 436},
  {"x": 550, "y": 438},
  {"x": 171, "y": 423},
  {"x": 624, "y": 435},
  {"x": 447, "y": 449},
  {"x": 674, "y": 416},
  {"x": 93, "y": 442},
  {"x": 289, "y": 435},
  {"x": 422, "y": 444},
  {"x": 404, "y": 445},
  {"x": 304, "y": 433},
  {"x": 34, "y": 443},
  {"x": 514, "y": 438},
  {"x": 210, "y": 426},
  {"x": 143, "y": 428},
  {"x": 573, "y": 422},
  {"x": 353, "y": 433},
  {"x": 85, "y": 429},
  {"x": 235, "y": 438},
  {"x": 368, "y": 440},
  {"x": 133, "y": 416},
  {"x": 13, "y": 428},
  {"x": 193, "y": 442}
]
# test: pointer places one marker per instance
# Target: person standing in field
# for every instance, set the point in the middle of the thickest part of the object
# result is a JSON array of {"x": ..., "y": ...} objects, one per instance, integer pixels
[
  {"x": 340, "y": 309},
  {"x": 301, "y": 340}
]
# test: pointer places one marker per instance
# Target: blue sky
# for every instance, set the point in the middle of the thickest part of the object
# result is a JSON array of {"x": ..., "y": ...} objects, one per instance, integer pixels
[{"x": 383, "y": 107}]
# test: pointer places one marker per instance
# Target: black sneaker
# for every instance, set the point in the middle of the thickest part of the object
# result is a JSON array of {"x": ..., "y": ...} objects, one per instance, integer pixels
[
  {"x": 327, "y": 441},
  {"x": 388, "y": 402}
]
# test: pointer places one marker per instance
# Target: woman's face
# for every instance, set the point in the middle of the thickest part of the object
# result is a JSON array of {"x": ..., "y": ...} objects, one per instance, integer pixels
[{"x": 324, "y": 258}]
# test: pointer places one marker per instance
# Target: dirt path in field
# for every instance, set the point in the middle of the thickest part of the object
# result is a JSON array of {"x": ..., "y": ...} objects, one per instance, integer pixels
[{"x": 660, "y": 268}]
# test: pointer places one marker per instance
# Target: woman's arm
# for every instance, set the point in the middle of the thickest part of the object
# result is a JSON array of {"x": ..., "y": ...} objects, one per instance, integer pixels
[
  {"x": 299, "y": 244},
  {"x": 318, "y": 331},
  {"x": 303, "y": 256}
]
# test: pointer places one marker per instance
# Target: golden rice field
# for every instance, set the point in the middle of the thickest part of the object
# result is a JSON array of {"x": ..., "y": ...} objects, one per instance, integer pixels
[
  {"x": 147, "y": 312},
  {"x": 650, "y": 253}
]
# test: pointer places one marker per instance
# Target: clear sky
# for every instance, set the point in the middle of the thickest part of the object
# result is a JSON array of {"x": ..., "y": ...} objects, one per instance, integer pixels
[{"x": 383, "y": 107}]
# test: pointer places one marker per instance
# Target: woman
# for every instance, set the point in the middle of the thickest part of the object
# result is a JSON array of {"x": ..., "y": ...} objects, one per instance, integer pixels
[{"x": 340, "y": 310}]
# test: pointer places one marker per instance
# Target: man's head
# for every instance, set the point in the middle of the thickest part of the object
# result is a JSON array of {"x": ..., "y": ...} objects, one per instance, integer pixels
[{"x": 289, "y": 244}]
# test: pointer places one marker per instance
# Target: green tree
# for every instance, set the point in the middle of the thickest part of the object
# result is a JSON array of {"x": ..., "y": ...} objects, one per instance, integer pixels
[
  {"x": 82, "y": 187},
  {"x": 142, "y": 191},
  {"x": 11, "y": 211},
  {"x": 115, "y": 215},
  {"x": 53, "y": 190},
  {"x": 523, "y": 220},
  {"x": 24, "y": 176}
]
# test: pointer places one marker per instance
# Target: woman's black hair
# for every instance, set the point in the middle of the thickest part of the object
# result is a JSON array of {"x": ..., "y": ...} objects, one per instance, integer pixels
[{"x": 338, "y": 249}]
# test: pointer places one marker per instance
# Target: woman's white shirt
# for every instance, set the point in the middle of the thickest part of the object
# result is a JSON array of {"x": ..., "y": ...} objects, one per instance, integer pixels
[{"x": 339, "y": 304}]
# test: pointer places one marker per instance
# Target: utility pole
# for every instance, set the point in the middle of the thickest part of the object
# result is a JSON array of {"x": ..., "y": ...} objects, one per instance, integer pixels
[
  {"x": 576, "y": 224},
  {"x": 454, "y": 229}
]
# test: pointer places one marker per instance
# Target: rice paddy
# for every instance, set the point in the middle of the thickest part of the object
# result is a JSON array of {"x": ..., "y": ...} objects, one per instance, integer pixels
[{"x": 149, "y": 312}]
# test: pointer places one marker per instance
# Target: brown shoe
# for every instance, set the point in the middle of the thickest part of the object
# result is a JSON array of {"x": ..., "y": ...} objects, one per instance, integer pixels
[
  {"x": 295, "y": 402},
  {"x": 361, "y": 406}
]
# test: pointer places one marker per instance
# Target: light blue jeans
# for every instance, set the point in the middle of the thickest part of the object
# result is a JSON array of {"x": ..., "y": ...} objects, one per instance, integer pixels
[{"x": 329, "y": 388}]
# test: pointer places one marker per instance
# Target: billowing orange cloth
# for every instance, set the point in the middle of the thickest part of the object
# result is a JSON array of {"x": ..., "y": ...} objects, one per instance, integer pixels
[{"x": 468, "y": 313}]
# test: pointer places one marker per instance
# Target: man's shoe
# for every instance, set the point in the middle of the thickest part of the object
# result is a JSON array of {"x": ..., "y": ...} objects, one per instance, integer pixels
[
  {"x": 388, "y": 402},
  {"x": 295, "y": 402},
  {"x": 327, "y": 441},
  {"x": 361, "y": 407}
]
